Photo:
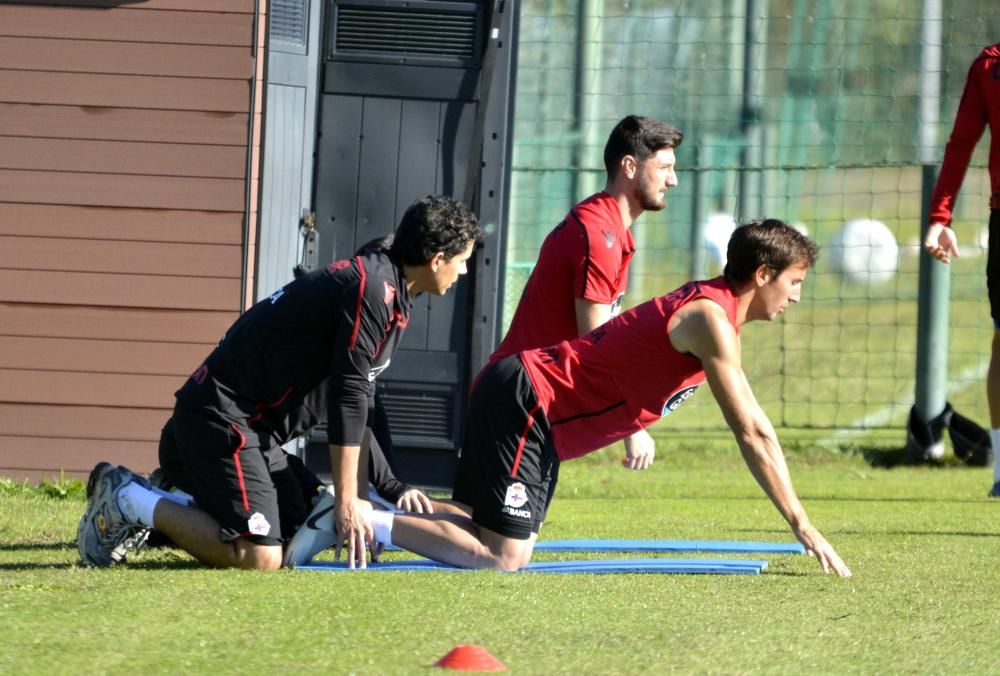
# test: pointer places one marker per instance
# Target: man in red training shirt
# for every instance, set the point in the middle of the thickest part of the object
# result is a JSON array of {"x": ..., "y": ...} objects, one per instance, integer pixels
[
  {"x": 535, "y": 409},
  {"x": 579, "y": 280},
  {"x": 979, "y": 108}
]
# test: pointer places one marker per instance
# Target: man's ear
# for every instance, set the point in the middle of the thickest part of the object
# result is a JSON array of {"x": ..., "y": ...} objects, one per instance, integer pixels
[
  {"x": 629, "y": 166},
  {"x": 436, "y": 261},
  {"x": 762, "y": 275}
]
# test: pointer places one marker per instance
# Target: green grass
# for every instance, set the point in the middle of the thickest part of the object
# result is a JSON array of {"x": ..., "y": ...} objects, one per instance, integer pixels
[{"x": 922, "y": 542}]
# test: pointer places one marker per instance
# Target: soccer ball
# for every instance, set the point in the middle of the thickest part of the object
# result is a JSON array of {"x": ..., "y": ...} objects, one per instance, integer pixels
[
  {"x": 719, "y": 228},
  {"x": 865, "y": 252}
]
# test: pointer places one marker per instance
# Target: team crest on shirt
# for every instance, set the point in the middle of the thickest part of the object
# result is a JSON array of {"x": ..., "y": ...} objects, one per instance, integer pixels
[
  {"x": 516, "y": 496},
  {"x": 390, "y": 293},
  {"x": 677, "y": 398},
  {"x": 258, "y": 525},
  {"x": 609, "y": 239},
  {"x": 338, "y": 265}
]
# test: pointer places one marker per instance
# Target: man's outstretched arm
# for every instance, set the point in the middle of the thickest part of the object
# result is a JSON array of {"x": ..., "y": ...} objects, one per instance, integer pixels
[{"x": 708, "y": 334}]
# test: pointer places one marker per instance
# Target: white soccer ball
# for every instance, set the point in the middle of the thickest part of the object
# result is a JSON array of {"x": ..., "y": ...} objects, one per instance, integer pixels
[
  {"x": 719, "y": 228},
  {"x": 865, "y": 252}
]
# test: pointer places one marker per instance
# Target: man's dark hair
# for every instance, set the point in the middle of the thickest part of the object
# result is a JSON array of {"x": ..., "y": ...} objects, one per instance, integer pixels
[
  {"x": 432, "y": 224},
  {"x": 383, "y": 243},
  {"x": 640, "y": 137},
  {"x": 769, "y": 242}
]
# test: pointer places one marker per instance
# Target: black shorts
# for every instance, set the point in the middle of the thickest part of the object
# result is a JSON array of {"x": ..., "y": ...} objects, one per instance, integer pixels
[
  {"x": 508, "y": 469},
  {"x": 244, "y": 480},
  {"x": 993, "y": 267}
]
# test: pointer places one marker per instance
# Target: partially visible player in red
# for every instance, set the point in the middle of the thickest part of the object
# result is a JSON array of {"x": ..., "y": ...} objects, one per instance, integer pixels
[
  {"x": 979, "y": 108},
  {"x": 579, "y": 280},
  {"x": 534, "y": 410}
]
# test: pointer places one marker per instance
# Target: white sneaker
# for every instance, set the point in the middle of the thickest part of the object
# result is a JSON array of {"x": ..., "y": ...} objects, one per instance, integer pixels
[
  {"x": 105, "y": 536},
  {"x": 315, "y": 535}
]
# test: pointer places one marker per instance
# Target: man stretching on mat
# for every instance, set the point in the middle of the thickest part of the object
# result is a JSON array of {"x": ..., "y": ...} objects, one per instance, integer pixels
[
  {"x": 579, "y": 280},
  {"x": 533, "y": 410},
  {"x": 313, "y": 348}
]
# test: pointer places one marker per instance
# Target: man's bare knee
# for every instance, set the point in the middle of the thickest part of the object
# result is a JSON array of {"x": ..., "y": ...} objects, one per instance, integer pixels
[
  {"x": 509, "y": 563},
  {"x": 508, "y": 553},
  {"x": 252, "y": 556}
]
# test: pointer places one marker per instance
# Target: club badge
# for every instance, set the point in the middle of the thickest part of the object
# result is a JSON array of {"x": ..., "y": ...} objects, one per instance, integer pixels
[
  {"x": 258, "y": 525},
  {"x": 517, "y": 495}
]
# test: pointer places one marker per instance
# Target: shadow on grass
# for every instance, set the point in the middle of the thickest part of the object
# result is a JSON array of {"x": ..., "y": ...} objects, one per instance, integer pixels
[
  {"x": 921, "y": 499},
  {"x": 37, "y": 546},
  {"x": 139, "y": 565},
  {"x": 920, "y": 533},
  {"x": 887, "y": 458},
  {"x": 36, "y": 566},
  {"x": 179, "y": 564},
  {"x": 787, "y": 573},
  {"x": 813, "y": 497}
]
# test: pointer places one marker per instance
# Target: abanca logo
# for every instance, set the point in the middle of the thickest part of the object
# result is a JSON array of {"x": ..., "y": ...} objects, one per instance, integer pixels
[{"x": 678, "y": 398}]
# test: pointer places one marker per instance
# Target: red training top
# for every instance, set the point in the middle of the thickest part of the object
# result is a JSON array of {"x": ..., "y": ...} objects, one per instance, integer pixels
[
  {"x": 586, "y": 256},
  {"x": 980, "y": 106},
  {"x": 622, "y": 376}
]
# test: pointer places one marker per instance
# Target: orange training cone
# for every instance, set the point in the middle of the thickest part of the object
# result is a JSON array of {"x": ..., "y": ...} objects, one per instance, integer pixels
[{"x": 470, "y": 658}]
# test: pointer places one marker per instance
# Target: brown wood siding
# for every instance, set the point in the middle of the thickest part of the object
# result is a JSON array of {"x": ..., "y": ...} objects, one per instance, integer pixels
[
  {"x": 124, "y": 134},
  {"x": 130, "y": 23},
  {"x": 124, "y": 124},
  {"x": 122, "y": 157},
  {"x": 95, "y": 56}
]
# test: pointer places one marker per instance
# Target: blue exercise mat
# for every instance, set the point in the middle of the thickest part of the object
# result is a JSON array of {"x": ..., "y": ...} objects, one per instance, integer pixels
[
  {"x": 594, "y": 566},
  {"x": 665, "y": 546},
  {"x": 718, "y": 546}
]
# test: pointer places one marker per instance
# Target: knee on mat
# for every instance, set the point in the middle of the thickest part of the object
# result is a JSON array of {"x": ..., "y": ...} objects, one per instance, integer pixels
[{"x": 509, "y": 561}]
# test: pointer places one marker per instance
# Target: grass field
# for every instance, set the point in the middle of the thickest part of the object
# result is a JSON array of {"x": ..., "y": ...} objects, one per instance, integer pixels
[{"x": 923, "y": 544}]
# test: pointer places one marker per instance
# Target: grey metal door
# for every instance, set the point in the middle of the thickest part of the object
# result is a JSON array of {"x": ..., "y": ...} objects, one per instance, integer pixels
[
  {"x": 401, "y": 118},
  {"x": 294, "y": 29}
]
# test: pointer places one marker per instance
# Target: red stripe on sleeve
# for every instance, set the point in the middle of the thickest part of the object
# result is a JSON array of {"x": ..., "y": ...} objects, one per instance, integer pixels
[{"x": 357, "y": 312}]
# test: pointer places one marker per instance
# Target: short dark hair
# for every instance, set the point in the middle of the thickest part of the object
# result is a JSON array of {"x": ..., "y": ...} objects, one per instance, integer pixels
[
  {"x": 431, "y": 225},
  {"x": 770, "y": 242},
  {"x": 640, "y": 137},
  {"x": 376, "y": 245}
]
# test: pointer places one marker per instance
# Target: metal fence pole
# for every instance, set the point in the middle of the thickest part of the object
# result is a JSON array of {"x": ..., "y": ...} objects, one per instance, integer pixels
[
  {"x": 586, "y": 96},
  {"x": 748, "y": 111},
  {"x": 935, "y": 278},
  {"x": 697, "y": 215}
]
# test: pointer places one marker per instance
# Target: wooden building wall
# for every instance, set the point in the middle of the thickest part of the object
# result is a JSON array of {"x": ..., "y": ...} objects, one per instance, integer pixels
[{"x": 124, "y": 132}]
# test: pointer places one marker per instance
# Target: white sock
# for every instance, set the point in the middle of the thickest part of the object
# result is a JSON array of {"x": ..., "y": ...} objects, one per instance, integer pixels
[
  {"x": 995, "y": 440},
  {"x": 382, "y": 525},
  {"x": 138, "y": 503},
  {"x": 177, "y": 496}
]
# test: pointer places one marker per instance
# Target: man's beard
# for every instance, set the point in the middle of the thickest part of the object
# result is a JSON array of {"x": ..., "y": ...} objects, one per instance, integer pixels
[{"x": 650, "y": 198}]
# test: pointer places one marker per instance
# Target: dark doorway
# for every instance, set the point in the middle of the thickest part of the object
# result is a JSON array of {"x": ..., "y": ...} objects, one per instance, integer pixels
[{"x": 417, "y": 99}]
